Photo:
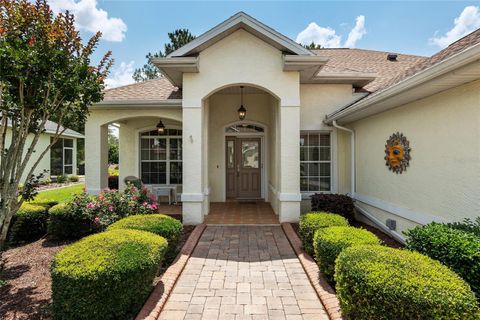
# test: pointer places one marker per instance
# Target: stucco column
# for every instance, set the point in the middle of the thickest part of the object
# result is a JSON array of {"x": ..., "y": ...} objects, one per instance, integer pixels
[
  {"x": 127, "y": 153},
  {"x": 96, "y": 157},
  {"x": 289, "y": 172},
  {"x": 193, "y": 184}
]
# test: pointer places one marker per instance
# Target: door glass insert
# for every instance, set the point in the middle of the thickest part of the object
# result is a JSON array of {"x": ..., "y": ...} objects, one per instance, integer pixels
[
  {"x": 230, "y": 154},
  {"x": 250, "y": 154}
]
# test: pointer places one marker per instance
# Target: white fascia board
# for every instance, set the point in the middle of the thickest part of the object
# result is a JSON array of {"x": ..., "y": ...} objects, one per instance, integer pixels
[
  {"x": 450, "y": 64},
  {"x": 232, "y": 23}
]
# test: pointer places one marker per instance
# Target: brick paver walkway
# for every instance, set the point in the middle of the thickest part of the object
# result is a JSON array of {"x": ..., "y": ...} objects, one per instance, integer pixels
[{"x": 243, "y": 272}]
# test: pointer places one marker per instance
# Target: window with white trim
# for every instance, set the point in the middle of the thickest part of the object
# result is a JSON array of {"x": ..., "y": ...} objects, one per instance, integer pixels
[
  {"x": 161, "y": 157},
  {"x": 61, "y": 157},
  {"x": 315, "y": 161}
]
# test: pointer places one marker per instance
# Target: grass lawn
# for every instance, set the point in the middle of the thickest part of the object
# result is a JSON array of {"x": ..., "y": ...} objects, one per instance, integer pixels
[{"x": 61, "y": 195}]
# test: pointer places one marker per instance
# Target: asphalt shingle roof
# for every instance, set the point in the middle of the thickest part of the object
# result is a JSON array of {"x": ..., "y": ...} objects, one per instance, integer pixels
[{"x": 149, "y": 90}]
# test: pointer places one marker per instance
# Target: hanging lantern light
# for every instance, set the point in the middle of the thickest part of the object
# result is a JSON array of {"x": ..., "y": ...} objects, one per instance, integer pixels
[
  {"x": 242, "y": 112},
  {"x": 160, "y": 127}
]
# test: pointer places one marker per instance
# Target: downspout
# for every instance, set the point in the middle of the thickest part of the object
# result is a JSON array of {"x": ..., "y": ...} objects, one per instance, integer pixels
[{"x": 352, "y": 146}]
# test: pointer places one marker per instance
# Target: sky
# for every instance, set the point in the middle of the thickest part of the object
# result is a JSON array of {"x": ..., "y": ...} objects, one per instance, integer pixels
[{"x": 132, "y": 28}]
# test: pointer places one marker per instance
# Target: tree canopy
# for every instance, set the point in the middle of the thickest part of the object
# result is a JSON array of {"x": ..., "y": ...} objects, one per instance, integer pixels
[
  {"x": 312, "y": 46},
  {"x": 178, "y": 38}
]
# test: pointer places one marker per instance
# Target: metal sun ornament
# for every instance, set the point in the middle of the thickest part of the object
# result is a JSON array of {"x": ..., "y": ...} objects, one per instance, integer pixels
[{"x": 397, "y": 153}]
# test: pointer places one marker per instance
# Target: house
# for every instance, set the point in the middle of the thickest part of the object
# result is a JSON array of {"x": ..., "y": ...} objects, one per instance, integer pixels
[
  {"x": 61, "y": 160},
  {"x": 310, "y": 121}
]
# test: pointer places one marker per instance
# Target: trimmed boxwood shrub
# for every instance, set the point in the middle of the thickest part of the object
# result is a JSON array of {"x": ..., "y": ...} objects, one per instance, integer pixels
[
  {"x": 336, "y": 203},
  {"x": 457, "y": 249},
  {"x": 329, "y": 242},
  {"x": 377, "y": 282},
  {"x": 310, "y": 222},
  {"x": 29, "y": 223},
  {"x": 65, "y": 223},
  {"x": 165, "y": 226},
  {"x": 107, "y": 275}
]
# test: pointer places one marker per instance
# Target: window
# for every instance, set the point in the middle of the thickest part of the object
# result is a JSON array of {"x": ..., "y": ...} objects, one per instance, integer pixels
[
  {"x": 315, "y": 162},
  {"x": 161, "y": 157},
  {"x": 244, "y": 128},
  {"x": 61, "y": 157}
]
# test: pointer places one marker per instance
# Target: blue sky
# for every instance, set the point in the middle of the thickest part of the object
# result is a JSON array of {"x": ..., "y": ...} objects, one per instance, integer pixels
[{"x": 133, "y": 28}]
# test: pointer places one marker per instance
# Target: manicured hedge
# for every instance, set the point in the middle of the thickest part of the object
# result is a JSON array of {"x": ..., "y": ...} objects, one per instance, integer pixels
[
  {"x": 65, "y": 223},
  {"x": 165, "y": 226},
  {"x": 311, "y": 222},
  {"x": 329, "y": 242},
  {"x": 29, "y": 223},
  {"x": 457, "y": 249},
  {"x": 105, "y": 276},
  {"x": 336, "y": 203},
  {"x": 377, "y": 282}
]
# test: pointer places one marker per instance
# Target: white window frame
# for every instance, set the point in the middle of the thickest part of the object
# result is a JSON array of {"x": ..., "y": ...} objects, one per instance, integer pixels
[
  {"x": 63, "y": 156},
  {"x": 167, "y": 160},
  {"x": 333, "y": 176}
]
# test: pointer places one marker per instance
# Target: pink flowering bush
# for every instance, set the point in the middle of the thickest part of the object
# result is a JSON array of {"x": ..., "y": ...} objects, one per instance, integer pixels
[{"x": 111, "y": 205}]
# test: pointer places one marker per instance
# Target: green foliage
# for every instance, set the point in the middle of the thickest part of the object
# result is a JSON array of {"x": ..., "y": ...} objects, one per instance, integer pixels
[
  {"x": 377, "y": 282},
  {"x": 178, "y": 39},
  {"x": 335, "y": 203},
  {"x": 165, "y": 226},
  {"x": 61, "y": 179},
  {"x": 312, "y": 46},
  {"x": 29, "y": 223},
  {"x": 329, "y": 242},
  {"x": 113, "y": 171},
  {"x": 66, "y": 223},
  {"x": 311, "y": 222},
  {"x": 73, "y": 178},
  {"x": 105, "y": 276},
  {"x": 113, "y": 147},
  {"x": 457, "y": 249},
  {"x": 467, "y": 225},
  {"x": 59, "y": 195}
]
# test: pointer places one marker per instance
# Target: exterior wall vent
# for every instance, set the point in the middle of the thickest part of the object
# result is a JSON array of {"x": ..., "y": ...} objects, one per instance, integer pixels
[
  {"x": 392, "y": 57},
  {"x": 391, "y": 224}
]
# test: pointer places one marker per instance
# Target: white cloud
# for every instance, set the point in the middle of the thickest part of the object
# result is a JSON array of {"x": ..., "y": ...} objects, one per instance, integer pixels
[
  {"x": 328, "y": 37},
  {"x": 121, "y": 76},
  {"x": 89, "y": 17},
  {"x": 468, "y": 21},
  {"x": 357, "y": 32}
]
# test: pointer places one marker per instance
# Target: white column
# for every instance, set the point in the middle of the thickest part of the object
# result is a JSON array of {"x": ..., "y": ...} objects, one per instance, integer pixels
[
  {"x": 128, "y": 146},
  {"x": 193, "y": 183},
  {"x": 96, "y": 157},
  {"x": 289, "y": 172}
]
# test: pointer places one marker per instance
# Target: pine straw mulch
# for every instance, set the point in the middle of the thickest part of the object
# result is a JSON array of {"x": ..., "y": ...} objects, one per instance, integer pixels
[{"x": 26, "y": 270}]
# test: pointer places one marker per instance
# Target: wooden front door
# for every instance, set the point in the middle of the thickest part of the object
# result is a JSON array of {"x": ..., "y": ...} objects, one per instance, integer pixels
[{"x": 243, "y": 168}]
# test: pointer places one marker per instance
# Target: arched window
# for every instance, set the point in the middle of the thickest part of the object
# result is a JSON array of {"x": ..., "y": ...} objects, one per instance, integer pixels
[{"x": 244, "y": 128}]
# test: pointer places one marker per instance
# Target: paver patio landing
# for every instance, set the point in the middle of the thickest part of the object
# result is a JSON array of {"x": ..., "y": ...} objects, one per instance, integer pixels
[{"x": 243, "y": 272}]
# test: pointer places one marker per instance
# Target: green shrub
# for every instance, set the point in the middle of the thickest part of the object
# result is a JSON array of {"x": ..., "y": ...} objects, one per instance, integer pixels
[
  {"x": 108, "y": 275},
  {"x": 467, "y": 225},
  {"x": 377, "y": 282},
  {"x": 61, "y": 179},
  {"x": 28, "y": 224},
  {"x": 336, "y": 203},
  {"x": 311, "y": 222},
  {"x": 66, "y": 223},
  {"x": 457, "y": 249},
  {"x": 165, "y": 226},
  {"x": 46, "y": 203},
  {"x": 329, "y": 242},
  {"x": 73, "y": 178}
]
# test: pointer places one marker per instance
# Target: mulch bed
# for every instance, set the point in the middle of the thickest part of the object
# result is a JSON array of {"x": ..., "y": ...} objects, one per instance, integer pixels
[{"x": 26, "y": 269}]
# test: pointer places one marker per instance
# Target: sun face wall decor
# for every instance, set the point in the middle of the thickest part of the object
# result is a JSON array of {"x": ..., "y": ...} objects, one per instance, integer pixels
[{"x": 397, "y": 153}]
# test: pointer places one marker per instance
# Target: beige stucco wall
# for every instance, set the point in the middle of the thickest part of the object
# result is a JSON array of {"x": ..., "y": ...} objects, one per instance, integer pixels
[
  {"x": 443, "y": 178},
  {"x": 131, "y": 120},
  {"x": 42, "y": 144},
  {"x": 318, "y": 100}
]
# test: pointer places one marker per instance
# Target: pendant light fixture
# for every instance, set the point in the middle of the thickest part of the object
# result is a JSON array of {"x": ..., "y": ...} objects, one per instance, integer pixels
[
  {"x": 242, "y": 112},
  {"x": 160, "y": 127}
]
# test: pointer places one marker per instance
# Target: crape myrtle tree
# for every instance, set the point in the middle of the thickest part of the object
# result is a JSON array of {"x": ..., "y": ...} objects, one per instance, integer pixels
[
  {"x": 45, "y": 74},
  {"x": 178, "y": 39}
]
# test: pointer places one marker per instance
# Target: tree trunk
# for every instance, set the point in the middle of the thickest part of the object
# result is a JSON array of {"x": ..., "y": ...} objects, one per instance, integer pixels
[{"x": 6, "y": 214}]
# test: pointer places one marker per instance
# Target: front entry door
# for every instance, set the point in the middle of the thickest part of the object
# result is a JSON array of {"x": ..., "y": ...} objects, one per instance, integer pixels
[{"x": 243, "y": 168}]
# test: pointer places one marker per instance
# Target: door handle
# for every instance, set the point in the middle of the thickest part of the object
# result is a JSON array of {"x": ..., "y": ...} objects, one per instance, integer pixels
[{"x": 238, "y": 170}]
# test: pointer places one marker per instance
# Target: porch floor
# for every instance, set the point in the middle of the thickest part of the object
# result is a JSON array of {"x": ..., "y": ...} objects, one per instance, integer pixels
[{"x": 231, "y": 212}]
